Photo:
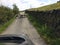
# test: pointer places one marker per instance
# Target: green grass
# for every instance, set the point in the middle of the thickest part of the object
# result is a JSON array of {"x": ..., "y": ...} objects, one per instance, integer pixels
[
  {"x": 47, "y": 8},
  {"x": 3, "y": 27},
  {"x": 45, "y": 32},
  {"x": 2, "y": 44}
]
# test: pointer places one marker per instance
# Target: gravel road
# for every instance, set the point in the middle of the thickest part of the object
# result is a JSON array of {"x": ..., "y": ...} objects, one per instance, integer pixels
[{"x": 23, "y": 26}]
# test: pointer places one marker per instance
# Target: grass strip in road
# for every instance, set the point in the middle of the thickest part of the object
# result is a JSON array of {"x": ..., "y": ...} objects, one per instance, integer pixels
[{"x": 3, "y": 27}]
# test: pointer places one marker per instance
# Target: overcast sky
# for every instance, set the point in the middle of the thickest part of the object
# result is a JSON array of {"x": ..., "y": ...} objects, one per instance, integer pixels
[{"x": 26, "y": 4}]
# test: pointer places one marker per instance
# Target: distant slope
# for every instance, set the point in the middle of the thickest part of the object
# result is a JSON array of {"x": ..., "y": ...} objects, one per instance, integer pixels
[{"x": 48, "y": 7}]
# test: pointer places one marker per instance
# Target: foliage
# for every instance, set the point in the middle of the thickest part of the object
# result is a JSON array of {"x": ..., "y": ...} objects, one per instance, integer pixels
[
  {"x": 3, "y": 27},
  {"x": 6, "y": 14},
  {"x": 15, "y": 9}
]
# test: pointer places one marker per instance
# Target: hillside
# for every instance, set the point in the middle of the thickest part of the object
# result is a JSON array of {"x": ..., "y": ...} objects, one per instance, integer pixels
[{"x": 48, "y": 7}]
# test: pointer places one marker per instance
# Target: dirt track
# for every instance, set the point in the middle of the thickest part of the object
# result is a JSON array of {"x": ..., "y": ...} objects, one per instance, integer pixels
[{"x": 23, "y": 26}]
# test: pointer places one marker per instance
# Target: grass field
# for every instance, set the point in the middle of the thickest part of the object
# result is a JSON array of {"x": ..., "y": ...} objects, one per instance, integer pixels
[{"x": 48, "y": 7}]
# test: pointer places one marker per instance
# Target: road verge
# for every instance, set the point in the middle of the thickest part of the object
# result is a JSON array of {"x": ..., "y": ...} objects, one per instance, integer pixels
[{"x": 3, "y": 27}]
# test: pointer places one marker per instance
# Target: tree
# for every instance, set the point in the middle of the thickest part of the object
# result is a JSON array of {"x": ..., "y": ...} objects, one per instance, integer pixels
[{"x": 15, "y": 9}]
